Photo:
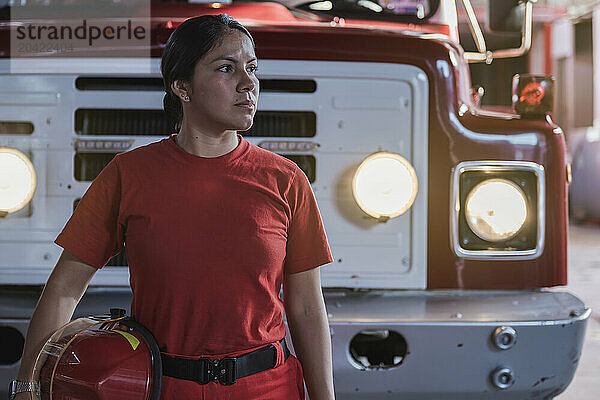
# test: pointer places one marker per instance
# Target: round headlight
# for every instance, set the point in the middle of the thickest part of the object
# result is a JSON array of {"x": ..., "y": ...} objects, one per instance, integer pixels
[
  {"x": 496, "y": 209},
  {"x": 17, "y": 180},
  {"x": 385, "y": 185}
]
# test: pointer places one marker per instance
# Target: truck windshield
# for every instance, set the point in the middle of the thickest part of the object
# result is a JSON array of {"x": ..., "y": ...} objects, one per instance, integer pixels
[
  {"x": 415, "y": 11},
  {"x": 409, "y": 11},
  {"x": 50, "y": 3}
]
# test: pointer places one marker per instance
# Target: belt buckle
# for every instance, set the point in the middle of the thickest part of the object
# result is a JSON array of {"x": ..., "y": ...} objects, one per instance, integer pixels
[{"x": 222, "y": 370}]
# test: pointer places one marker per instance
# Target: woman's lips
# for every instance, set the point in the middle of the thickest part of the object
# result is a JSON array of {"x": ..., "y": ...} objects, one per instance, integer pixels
[{"x": 247, "y": 105}]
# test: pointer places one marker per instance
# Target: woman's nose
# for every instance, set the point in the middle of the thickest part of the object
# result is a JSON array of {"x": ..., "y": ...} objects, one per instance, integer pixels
[{"x": 247, "y": 83}]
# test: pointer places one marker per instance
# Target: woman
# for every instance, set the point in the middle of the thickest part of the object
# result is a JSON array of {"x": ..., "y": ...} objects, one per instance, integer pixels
[{"x": 213, "y": 227}]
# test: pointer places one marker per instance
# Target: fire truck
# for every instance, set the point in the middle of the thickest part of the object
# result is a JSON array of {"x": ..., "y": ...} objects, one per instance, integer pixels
[{"x": 447, "y": 222}]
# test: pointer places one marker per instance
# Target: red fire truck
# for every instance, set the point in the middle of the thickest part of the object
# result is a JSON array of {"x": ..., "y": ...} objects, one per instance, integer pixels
[{"x": 447, "y": 223}]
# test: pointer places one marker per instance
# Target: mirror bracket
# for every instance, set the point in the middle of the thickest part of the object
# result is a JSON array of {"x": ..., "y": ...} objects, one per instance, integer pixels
[{"x": 487, "y": 56}]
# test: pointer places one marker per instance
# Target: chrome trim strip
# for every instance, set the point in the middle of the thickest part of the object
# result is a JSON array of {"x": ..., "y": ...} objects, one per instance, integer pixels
[
  {"x": 492, "y": 324},
  {"x": 455, "y": 209}
]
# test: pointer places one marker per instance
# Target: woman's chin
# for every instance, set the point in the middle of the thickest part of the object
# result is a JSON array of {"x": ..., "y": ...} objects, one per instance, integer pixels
[{"x": 244, "y": 126}]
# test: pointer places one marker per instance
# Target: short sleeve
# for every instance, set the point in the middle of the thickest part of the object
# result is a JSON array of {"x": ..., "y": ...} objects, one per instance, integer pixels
[
  {"x": 93, "y": 233},
  {"x": 307, "y": 245}
]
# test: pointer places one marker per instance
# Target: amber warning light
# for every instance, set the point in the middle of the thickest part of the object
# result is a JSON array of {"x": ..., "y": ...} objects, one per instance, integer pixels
[{"x": 532, "y": 95}]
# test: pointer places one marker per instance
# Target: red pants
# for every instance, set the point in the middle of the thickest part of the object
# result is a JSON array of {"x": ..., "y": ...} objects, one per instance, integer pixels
[{"x": 284, "y": 382}]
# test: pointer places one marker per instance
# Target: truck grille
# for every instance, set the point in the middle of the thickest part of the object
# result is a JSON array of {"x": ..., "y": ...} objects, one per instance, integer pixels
[
  {"x": 283, "y": 124},
  {"x": 307, "y": 163},
  {"x": 16, "y": 128},
  {"x": 154, "y": 122},
  {"x": 156, "y": 84},
  {"x": 119, "y": 122},
  {"x": 133, "y": 122},
  {"x": 89, "y": 165}
]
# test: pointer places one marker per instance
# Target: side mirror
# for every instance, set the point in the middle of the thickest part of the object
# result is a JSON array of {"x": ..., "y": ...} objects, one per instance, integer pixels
[{"x": 505, "y": 15}]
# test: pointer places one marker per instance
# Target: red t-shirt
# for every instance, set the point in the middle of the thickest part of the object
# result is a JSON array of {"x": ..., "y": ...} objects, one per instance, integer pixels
[{"x": 208, "y": 241}]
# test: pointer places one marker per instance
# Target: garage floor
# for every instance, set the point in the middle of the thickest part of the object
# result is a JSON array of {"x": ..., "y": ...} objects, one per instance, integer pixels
[{"x": 584, "y": 281}]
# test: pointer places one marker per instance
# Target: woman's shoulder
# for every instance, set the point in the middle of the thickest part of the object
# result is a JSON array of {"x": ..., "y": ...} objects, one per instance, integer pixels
[{"x": 142, "y": 153}]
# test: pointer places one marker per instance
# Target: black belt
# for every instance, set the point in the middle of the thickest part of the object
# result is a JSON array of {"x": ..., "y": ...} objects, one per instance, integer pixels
[{"x": 226, "y": 370}]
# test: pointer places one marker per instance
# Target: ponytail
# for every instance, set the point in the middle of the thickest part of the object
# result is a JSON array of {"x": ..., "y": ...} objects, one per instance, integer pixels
[{"x": 174, "y": 110}]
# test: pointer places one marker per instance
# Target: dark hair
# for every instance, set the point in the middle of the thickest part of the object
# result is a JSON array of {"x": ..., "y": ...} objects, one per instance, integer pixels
[{"x": 187, "y": 44}]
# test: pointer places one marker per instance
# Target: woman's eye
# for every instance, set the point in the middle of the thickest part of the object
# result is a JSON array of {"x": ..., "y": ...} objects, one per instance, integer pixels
[
  {"x": 253, "y": 68},
  {"x": 225, "y": 68}
]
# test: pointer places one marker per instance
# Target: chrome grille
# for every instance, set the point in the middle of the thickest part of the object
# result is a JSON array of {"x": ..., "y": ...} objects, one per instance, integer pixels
[
  {"x": 156, "y": 84},
  {"x": 89, "y": 165},
  {"x": 121, "y": 122},
  {"x": 133, "y": 122}
]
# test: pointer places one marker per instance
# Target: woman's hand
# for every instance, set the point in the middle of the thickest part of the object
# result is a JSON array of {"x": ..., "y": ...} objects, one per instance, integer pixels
[{"x": 26, "y": 396}]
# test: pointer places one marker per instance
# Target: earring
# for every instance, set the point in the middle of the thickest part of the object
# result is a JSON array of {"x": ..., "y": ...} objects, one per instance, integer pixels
[{"x": 185, "y": 97}]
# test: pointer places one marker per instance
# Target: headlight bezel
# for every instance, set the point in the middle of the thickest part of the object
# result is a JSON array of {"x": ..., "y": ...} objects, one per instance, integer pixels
[{"x": 528, "y": 243}]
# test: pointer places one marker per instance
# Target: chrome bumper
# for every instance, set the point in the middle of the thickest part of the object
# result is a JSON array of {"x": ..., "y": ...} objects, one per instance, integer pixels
[{"x": 450, "y": 347}]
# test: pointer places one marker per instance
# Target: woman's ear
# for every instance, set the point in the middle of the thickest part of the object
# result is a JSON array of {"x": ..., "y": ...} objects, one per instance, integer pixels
[{"x": 180, "y": 88}]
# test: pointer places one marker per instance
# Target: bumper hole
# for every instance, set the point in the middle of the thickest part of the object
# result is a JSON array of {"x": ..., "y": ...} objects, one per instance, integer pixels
[
  {"x": 11, "y": 345},
  {"x": 378, "y": 349}
]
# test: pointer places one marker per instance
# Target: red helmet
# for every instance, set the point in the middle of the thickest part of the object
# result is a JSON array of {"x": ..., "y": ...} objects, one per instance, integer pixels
[{"x": 100, "y": 357}]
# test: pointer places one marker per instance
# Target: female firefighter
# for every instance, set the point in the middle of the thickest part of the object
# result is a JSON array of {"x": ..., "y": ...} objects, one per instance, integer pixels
[{"x": 213, "y": 226}]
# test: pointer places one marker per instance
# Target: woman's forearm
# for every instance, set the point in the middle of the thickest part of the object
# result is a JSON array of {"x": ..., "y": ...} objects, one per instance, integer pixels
[
  {"x": 65, "y": 287},
  {"x": 312, "y": 343},
  {"x": 52, "y": 311}
]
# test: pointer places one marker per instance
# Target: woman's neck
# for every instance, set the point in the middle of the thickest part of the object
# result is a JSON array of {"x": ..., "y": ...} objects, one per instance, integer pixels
[{"x": 202, "y": 145}]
